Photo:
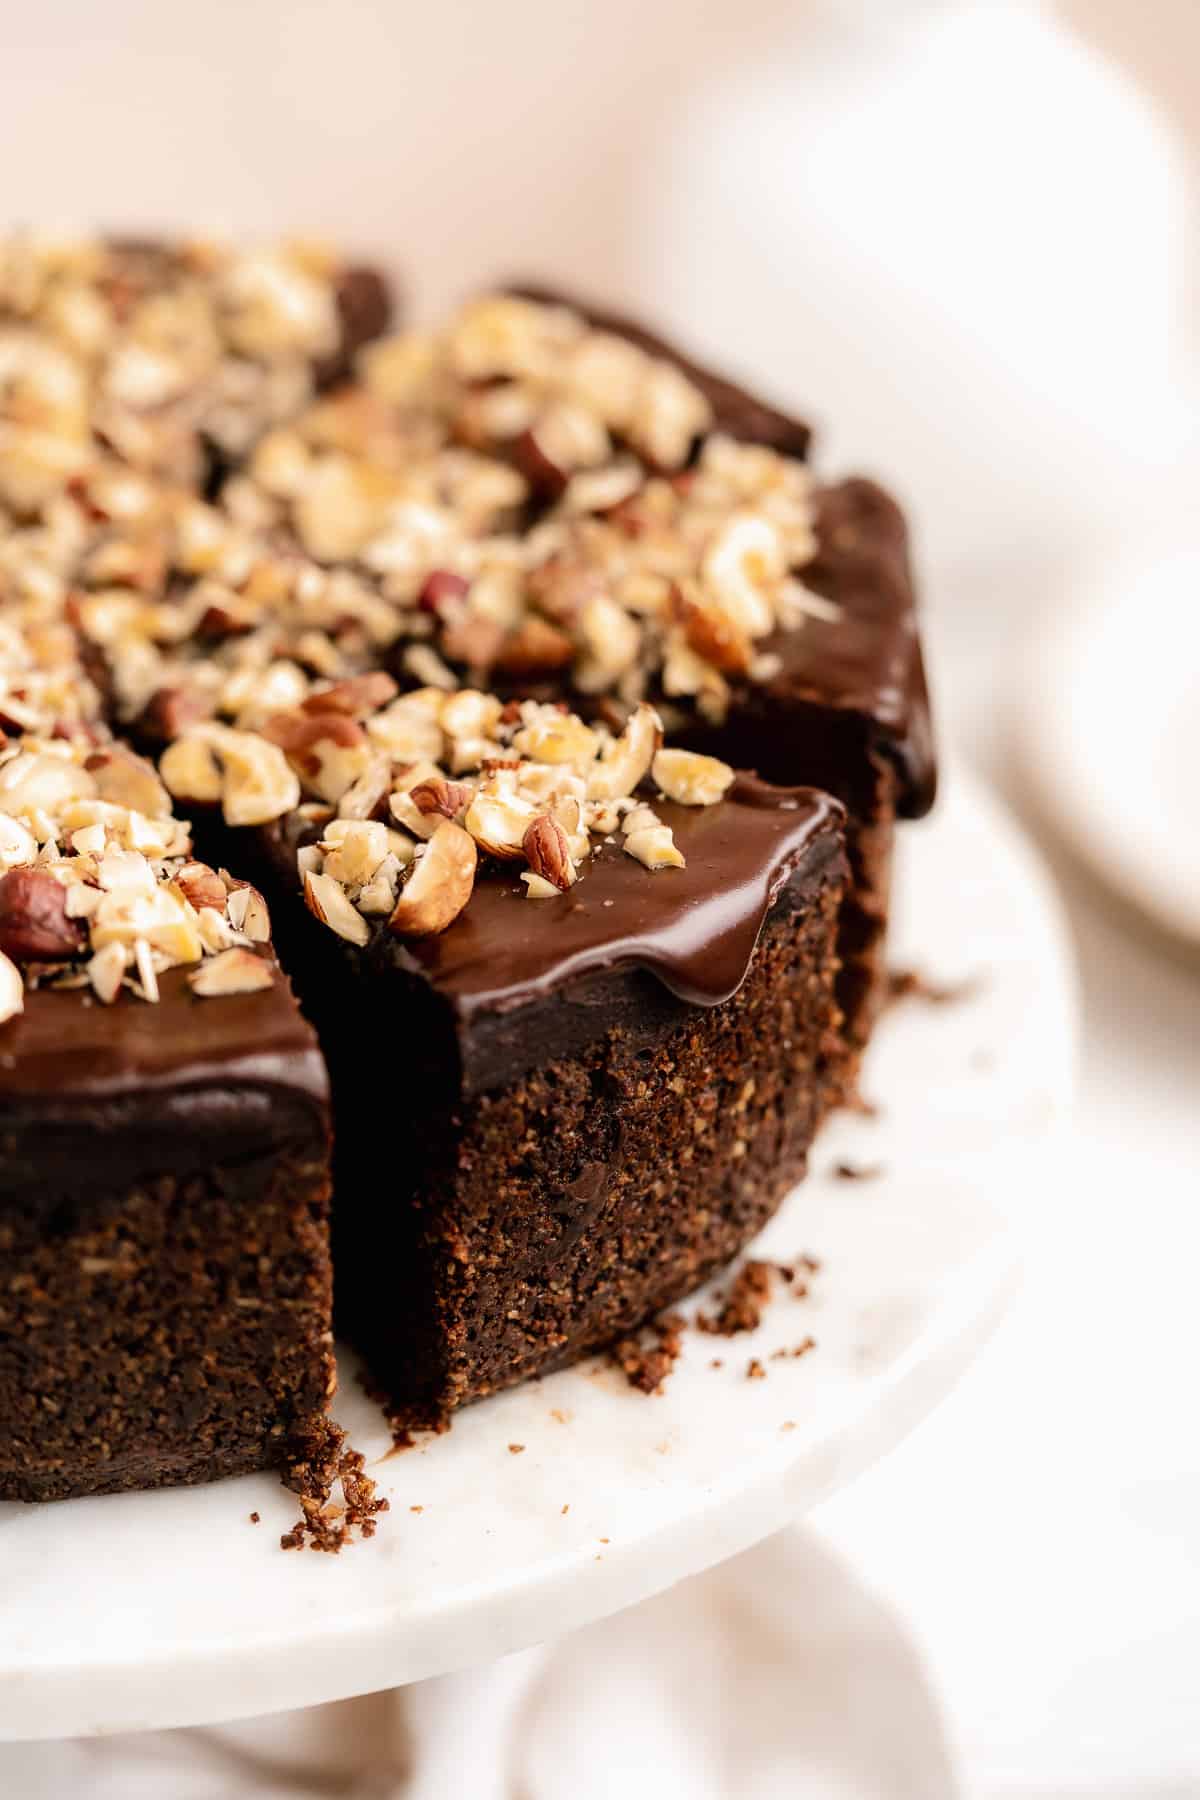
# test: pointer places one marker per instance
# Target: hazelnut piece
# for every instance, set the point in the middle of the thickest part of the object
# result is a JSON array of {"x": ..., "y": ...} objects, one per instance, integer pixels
[{"x": 440, "y": 884}]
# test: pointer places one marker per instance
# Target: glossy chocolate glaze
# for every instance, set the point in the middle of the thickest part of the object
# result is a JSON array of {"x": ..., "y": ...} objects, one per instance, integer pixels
[
  {"x": 95, "y": 1094},
  {"x": 693, "y": 928},
  {"x": 67, "y": 1043},
  {"x": 867, "y": 665},
  {"x": 515, "y": 983}
]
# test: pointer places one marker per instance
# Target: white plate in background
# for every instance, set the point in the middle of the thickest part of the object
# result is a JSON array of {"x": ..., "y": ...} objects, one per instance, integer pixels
[{"x": 1109, "y": 728}]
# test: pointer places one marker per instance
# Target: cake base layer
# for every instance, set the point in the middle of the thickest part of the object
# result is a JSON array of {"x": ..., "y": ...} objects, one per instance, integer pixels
[
  {"x": 165, "y": 1282},
  {"x": 170, "y": 1331}
]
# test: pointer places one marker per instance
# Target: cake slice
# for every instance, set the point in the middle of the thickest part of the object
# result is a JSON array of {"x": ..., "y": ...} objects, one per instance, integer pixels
[
  {"x": 552, "y": 501},
  {"x": 578, "y": 1007},
  {"x": 836, "y": 695},
  {"x": 164, "y": 1184}
]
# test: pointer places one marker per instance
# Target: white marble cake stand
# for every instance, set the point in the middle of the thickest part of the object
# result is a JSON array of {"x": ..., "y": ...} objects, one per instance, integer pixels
[{"x": 173, "y": 1608}]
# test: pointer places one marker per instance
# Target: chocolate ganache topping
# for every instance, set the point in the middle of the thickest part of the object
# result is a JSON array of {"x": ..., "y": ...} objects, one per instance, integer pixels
[{"x": 694, "y": 928}]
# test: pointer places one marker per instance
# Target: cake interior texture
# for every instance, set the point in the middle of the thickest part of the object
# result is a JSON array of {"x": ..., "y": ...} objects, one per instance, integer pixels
[
  {"x": 531, "y": 599},
  {"x": 165, "y": 1315}
]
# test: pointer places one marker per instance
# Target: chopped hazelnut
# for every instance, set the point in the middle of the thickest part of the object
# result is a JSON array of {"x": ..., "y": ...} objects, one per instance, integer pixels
[
  {"x": 128, "y": 780},
  {"x": 201, "y": 886},
  {"x": 548, "y": 853},
  {"x": 232, "y": 972},
  {"x": 34, "y": 926},
  {"x": 327, "y": 902},
  {"x": 438, "y": 798},
  {"x": 655, "y": 847},
  {"x": 690, "y": 778},
  {"x": 12, "y": 989},
  {"x": 439, "y": 886},
  {"x": 498, "y": 823},
  {"x": 627, "y": 759}
]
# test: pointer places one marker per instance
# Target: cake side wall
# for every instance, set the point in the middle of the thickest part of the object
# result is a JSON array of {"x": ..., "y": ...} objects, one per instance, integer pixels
[
  {"x": 540, "y": 1221},
  {"x": 168, "y": 1331}
]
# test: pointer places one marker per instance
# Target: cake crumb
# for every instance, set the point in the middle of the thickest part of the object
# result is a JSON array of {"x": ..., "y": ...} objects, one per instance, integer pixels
[
  {"x": 567, "y": 1508},
  {"x": 319, "y": 1461},
  {"x": 904, "y": 984},
  {"x": 743, "y": 1303},
  {"x": 848, "y": 1171},
  {"x": 254, "y": 1519},
  {"x": 515, "y": 1449},
  {"x": 755, "y": 1370},
  {"x": 800, "y": 1349},
  {"x": 646, "y": 1365},
  {"x": 788, "y": 1425},
  {"x": 416, "y": 1509}
]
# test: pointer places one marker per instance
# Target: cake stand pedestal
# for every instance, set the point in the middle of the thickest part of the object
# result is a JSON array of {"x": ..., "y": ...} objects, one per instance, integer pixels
[{"x": 561, "y": 1502}]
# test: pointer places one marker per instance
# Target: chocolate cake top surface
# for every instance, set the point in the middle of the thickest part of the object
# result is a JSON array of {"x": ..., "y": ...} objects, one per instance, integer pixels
[
  {"x": 694, "y": 927},
  {"x": 866, "y": 661},
  {"x": 742, "y": 414},
  {"x": 559, "y": 849},
  {"x": 532, "y": 498},
  {"x": 126, "y": 966},
  {"x": 519, "y": 978},
  {"x": 866, "y": 658},
  {"x": 67, "y": 1046}
]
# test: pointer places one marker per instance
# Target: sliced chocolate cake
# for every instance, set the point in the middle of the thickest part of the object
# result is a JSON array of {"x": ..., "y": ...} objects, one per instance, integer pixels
[
  {"x": 578, "y": 1006},
  {"x": 164, "y": 1176},
  {"x": 462, "y": 656}
]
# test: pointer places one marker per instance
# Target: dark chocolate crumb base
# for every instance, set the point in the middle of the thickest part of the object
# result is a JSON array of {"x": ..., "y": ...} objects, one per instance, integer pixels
[{"x": 319, "y": 1460}]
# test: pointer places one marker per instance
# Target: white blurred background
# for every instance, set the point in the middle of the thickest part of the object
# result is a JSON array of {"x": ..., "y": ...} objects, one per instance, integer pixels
[{"x": 962, "y": 235}]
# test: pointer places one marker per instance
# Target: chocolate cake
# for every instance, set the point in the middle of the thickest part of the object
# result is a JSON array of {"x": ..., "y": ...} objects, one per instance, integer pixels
[
  {"x": 463, "y": 657},
  {"x": 600, "y": 1088},
  {"x": 164, "y": 1183}
]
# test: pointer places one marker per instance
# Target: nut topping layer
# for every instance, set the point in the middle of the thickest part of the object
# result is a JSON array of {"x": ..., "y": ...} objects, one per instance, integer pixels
[
  {"x": 97, "y": 894},
  {"x": 515, "y": 498},
  {"x": 514, "y": 501},
  {"x": 406, "y": 799}
]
